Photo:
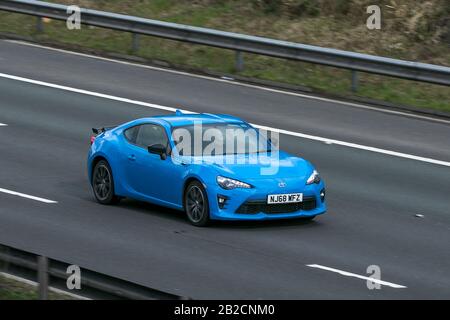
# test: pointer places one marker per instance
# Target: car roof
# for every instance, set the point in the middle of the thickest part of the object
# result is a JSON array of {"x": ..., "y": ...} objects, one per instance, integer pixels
[{"x": 184, "y": 119}]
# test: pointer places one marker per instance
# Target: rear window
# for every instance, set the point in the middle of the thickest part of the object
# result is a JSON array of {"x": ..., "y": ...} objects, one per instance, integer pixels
[
  {"x": 131, "y": 134},
  {"x": 150, "y": 134}
]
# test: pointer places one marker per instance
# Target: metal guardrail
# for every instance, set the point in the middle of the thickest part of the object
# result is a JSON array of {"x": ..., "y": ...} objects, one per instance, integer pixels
[
  {"x": 240, "y": 43},
  {"x": 93, "y": 284}
]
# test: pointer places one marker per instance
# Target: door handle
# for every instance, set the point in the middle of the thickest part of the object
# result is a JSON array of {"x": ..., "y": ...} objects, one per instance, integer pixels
[{"x": 132, "y": 157}]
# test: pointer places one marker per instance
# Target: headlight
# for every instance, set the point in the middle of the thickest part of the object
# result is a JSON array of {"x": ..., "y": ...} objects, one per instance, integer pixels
[
  {"x": 228, "y": 183},
  {"x": 313, "y": 178}
]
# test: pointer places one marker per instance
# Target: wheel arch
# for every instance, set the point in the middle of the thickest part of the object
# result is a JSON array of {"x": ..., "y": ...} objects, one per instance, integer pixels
[
  {"x": 186, "y": 184},
  {"x": 96, "y": 159},
  {"x": 94, "y": 162}
]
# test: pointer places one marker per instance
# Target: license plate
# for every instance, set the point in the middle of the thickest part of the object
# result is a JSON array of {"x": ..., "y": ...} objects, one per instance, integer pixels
[{"x": 285, "y": 198}]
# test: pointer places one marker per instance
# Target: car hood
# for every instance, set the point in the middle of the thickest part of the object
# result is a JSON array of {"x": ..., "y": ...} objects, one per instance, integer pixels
[{"x": 258, "y": 166}]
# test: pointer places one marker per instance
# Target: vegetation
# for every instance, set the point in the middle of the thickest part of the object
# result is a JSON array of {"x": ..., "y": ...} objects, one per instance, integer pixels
[
  {"x": 15, "y": 290},
  {"x": 412, "y": 30}
]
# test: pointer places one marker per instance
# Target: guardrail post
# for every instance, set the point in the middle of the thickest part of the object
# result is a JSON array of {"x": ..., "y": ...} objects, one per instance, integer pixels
[
  {"x": 135, "y": 43},
  {"x": 43, "y": 278},
  {"x": 354, "y": 81},
  {"x": 239, "y": 63},
  {"x": 39, "y": 25}
]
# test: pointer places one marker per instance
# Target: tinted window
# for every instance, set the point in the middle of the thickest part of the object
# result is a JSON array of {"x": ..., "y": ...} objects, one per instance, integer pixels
[
  {"x": 131, "y": 134},
  {"x": 150, "y": 134}
]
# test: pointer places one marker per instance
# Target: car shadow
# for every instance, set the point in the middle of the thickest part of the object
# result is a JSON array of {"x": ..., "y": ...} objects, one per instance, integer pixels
[
  {"x": 269, "y": 224},
  {"x": 154, "y": 209},
  {"x": 179, "y": 216}
]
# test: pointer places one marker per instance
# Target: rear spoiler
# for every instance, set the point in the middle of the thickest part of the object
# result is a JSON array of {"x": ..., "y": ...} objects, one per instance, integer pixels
[{"x": 98, "y": 131}]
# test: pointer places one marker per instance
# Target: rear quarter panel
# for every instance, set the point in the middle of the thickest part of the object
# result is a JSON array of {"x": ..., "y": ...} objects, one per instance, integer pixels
[{"x": 106, "y": 146}]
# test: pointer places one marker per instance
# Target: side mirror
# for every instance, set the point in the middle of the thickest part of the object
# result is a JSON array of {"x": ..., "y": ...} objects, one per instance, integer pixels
[{"x": 158, "y": 149}]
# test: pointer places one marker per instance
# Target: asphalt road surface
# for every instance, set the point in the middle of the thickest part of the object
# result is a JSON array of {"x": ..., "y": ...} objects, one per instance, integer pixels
[{"x": 373, "y": 197}]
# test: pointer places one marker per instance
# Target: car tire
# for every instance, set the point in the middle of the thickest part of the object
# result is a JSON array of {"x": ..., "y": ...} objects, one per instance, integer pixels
[
  {"x": 309, "y": 218},
  {"x": 196, "y": 204},
  {"x": 103, "y": 183}
]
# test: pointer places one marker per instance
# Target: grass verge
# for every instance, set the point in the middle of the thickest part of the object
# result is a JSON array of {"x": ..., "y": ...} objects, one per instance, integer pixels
[{"x": 11, "y": 289}]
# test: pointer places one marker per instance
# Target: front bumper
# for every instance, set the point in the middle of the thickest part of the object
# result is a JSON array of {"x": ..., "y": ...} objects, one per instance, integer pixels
[{"x": 251, "y": 204}]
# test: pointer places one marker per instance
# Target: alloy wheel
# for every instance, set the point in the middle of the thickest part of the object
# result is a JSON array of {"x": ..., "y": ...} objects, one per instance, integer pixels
[
  {"x": 102, "y": 182},
  {"x": 195, "y": 204}
]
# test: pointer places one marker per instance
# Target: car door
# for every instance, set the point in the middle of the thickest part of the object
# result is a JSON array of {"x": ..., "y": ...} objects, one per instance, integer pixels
[{"x": 147, "y": 173}]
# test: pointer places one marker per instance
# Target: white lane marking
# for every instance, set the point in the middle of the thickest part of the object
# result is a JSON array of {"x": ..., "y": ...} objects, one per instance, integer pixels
[
  {"x": 231, "y": 81},
  {"x": 349, "y": 274},
  {"x": 27, "y": 196},
  {"x": 3, "y": 124},
  {"x": 35, "y": 284},
  {"x": 287, "y": 132},
  {"x": 355, "y": 146},
  {"x": 89, "y": 93}
]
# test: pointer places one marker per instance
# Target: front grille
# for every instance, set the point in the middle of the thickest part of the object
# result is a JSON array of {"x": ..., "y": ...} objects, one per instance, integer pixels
[{"x": 253, "y": 207}]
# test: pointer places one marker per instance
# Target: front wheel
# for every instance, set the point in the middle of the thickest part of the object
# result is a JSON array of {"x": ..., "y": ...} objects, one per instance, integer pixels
[
  {"x": 103, "y": 183},
  {"x": 196, "y": 204}
]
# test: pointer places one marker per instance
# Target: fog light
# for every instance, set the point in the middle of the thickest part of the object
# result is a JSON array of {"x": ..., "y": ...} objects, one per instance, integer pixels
[
  {"x": 221, "y": 201},
  {"x": 322, "y": 195}
]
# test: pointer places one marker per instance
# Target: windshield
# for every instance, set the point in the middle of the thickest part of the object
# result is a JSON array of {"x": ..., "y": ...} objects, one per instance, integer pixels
[{"x": 219, "y": 139}]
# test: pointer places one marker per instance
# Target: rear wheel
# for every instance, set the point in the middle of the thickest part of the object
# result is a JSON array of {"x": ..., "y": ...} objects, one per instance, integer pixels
[
  {"x": 196, "y": 204},
  {"x": 103, "y": 183}
]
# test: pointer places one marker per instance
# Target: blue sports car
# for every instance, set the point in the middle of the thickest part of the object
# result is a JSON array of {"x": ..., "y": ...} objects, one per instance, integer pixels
[{"x": 210, "y": 166}]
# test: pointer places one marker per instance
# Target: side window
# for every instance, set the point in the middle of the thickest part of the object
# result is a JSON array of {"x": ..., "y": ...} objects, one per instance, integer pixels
[
  {"x": 150, "y": 134},
  {"x": 131, "y": 134}
]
